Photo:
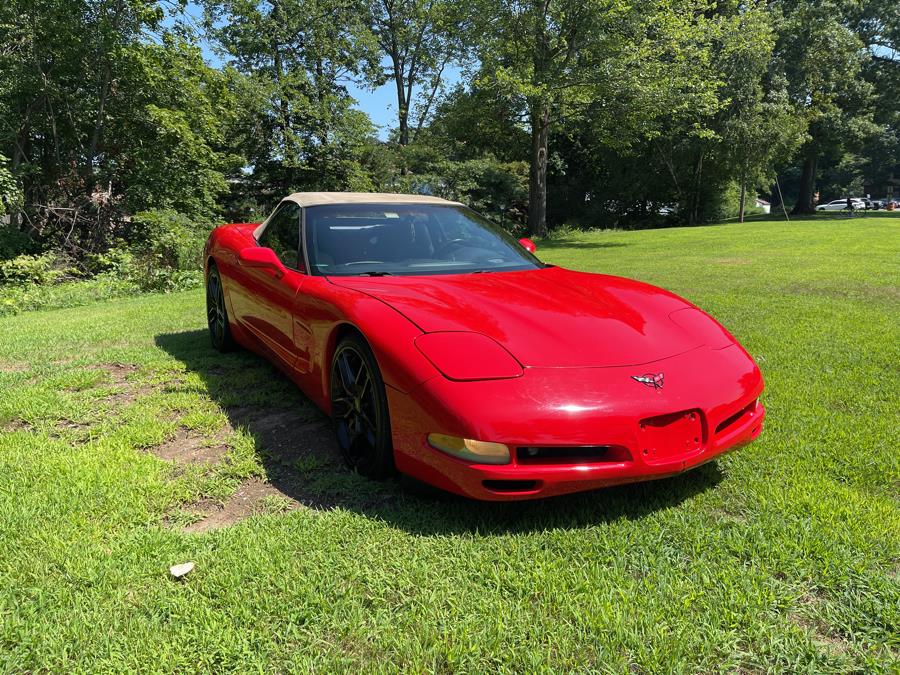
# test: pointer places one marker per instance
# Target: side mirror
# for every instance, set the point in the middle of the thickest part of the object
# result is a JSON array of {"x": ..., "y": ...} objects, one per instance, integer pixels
[
  {"x": 259, "y": 257},
  {"x": 527, "y": 244}
]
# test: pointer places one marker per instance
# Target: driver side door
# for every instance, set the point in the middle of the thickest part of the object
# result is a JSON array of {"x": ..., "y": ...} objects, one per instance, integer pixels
[{"x": 271, "y": 292}]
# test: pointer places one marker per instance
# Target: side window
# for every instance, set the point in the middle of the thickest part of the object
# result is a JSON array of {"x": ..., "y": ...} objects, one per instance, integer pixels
[{"x": 282, "y": 235}]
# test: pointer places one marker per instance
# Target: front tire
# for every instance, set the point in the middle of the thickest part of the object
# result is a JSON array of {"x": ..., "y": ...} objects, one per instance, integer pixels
[
  {"x": 359, "y": 409},
  {"x": 216, "y": 312}
]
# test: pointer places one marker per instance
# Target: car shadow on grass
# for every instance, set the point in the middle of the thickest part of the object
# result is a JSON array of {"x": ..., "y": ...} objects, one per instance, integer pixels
[{"x": 296, "y": 446}]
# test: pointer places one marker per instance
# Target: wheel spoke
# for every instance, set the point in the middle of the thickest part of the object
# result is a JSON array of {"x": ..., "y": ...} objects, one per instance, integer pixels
[
  {"x": 345, "y": 372},
  {"x": 362, "y": 390},
  {"x": 365, "y": 418}
]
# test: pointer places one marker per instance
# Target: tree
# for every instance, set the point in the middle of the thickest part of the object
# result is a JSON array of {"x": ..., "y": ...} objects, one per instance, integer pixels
[
  {"x": 562, "y": 59},
  {"x": 291, "y": 61},
  {"x": 822, "y": 59},
  {"x": 757, "y": 124},
  {"x": 419, "y": 39},
  {"x": 10, "y": 194},
  {"x": 105, "y": 112}
]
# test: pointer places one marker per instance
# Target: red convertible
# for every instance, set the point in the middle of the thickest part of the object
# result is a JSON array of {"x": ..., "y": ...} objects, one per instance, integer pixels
[{"x": 444, "y": 349}]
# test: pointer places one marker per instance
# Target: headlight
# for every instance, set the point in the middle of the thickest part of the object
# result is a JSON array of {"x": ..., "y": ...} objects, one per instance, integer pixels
[
  {"x": 482, "y": 452},
  {"x": 703, "y": 327},
  {"x": 466, "y": 356}
]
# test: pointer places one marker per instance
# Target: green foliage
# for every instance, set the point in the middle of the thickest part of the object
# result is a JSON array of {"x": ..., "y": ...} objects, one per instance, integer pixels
[
  {"x": 496, "y": 189},
  {"x": 417, "y": 40},
  {"x": 167, "y": 255},
  {"x": 47, "y": 268},
  {"x": 619, "y": 110},
  {"x": 17, "y": 298},
  {"x": 10, "y": 191},
  {"x": 105, "y": 113}
]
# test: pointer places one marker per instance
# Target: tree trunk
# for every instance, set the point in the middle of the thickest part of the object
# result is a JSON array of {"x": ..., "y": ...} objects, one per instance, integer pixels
[
  {"x": 537, "y": 177},
  {"x": 695, "y": 198},
  {"x": 97, "y": 133},
  {"x": 807, "y": 183},
  {"x": 16, "y": 161},
  {"x": 402, "y": 110},
  {"x": 743, "y": 194}
]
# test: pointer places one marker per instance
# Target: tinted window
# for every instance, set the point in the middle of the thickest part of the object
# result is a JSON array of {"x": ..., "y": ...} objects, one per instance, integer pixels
[
  {"x": 282, "y": 234},
  {"x": 410, "y": 239}
]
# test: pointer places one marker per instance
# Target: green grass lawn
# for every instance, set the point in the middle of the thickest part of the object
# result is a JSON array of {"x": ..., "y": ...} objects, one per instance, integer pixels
[{"x": 129, "y": 446}]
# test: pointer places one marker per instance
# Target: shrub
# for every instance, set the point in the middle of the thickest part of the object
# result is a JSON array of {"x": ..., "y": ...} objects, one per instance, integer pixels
[
  {"x": 496, "y": 189},
  {"x": 47, "y": 268},
  {"x": 167, "y": 255}
]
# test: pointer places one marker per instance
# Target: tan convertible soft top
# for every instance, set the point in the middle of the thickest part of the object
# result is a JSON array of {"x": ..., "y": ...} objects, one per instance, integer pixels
[{"x": 318, "y": 198}]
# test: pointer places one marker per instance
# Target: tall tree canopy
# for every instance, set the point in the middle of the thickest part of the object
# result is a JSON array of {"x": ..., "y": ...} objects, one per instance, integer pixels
[
  {"x": 418, "y": 39},
  {"x": 106, "y": 113},
  {"x": 595, "y": 112}
]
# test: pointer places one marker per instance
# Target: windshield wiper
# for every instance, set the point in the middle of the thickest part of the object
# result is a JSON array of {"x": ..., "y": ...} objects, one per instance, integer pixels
[{"x": 373, "y": 273}]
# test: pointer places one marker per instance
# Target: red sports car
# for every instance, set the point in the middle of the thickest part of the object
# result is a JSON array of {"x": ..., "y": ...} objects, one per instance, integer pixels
[{"x": 443, "y": 349}]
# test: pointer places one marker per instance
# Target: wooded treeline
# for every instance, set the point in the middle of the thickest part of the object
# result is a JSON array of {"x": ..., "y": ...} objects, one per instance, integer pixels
[{"x": 116, "y": 132}]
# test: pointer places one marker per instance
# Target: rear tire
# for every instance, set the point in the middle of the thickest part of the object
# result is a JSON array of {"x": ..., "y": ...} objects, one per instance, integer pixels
[
  {"x": 217, "y": 312},
  {"x": 359, "y": 409}
]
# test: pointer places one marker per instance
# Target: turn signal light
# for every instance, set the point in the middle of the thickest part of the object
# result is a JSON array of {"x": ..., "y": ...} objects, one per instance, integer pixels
[{"x": 482, "y": 452}]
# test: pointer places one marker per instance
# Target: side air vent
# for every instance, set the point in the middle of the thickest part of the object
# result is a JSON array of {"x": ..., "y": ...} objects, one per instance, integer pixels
[
  {"x": 510, "y": 485},
  {"x": 579, "y": 454},
  {"x": 739, "y": 416}
]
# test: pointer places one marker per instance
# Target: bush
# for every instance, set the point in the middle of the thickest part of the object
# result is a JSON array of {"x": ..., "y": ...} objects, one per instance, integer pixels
[
  {"x": 167, "y": 255},
  {"x": 721, "y": 203},
  {"x": 496, "y": 189},
  {"x": 47, "y": 268}
]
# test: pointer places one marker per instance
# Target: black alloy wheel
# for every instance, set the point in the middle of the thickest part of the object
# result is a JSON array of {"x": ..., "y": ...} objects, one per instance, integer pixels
[
  {"x": 359, "y": 409},
  {"x": 216, "y": 313}
]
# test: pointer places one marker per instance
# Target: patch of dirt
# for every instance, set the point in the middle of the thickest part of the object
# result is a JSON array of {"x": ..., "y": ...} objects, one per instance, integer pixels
[
  {"x": 819, "y": 631},
  {"x": 70, "y": 425},
  {"x": 302, "y": 459},
  {"x": 187, "y": 448},
  {"x": 13, "y": 367},
  {"x": 286, "y": 435},
  {"x": 119, "y": 374},
  {"x": 732, "y": 261},
  {"x": 17, "y": 425},
  {"x": 242, "y": 504}
]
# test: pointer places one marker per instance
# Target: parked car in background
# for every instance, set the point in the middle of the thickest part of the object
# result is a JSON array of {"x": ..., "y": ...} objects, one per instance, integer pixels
[{"x": 841, "y": 205}]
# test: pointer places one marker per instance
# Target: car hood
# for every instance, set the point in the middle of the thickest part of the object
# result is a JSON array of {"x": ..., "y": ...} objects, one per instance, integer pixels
[{"x": 550, "y": 317}]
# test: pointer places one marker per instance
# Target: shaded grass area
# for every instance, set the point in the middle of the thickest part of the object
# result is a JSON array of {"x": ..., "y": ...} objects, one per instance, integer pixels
[{"x": 123, "y": 433}]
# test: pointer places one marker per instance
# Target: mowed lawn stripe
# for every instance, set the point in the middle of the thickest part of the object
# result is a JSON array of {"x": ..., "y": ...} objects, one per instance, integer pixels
[{"x": 781, "y": 556}]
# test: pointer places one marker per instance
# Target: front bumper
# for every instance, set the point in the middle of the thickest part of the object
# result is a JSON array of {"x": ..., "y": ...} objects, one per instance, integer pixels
[{"x": 708, "y": 406}]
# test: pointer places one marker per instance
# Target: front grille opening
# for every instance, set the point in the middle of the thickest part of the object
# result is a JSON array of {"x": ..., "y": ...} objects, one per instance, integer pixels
[
  {"x": 737, "y": 417},
  {"x": 579, "y": 454},
  {"x": 510, "y": 485}
]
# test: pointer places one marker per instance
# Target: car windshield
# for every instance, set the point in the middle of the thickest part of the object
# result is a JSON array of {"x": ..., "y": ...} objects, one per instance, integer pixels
[{"x": 408, "y": 239}]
